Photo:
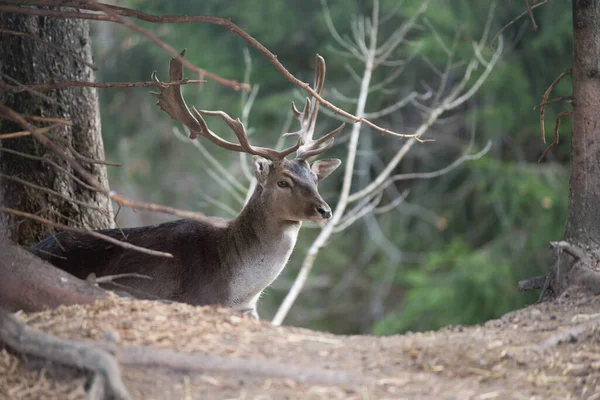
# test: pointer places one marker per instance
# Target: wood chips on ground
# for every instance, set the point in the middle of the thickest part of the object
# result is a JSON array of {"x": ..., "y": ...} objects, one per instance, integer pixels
[{"x": 546, "y": 351}]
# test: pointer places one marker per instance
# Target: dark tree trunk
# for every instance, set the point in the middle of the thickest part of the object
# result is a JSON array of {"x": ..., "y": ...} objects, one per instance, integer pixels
[
  {"x": 583, "y": 223},
  {"x": 579, "y": 267},
  {"x": 28, "y": 61}
]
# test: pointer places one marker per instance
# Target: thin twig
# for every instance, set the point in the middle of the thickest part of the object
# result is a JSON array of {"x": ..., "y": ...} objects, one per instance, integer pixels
[
  {"x": 545, "y": 100},
  {"x": 54, "y": 193},
  {"x": 49, "y": 161},
  {"x": 13, "y": 135},
  {"x": 88, "y": 160},
  {"x": 554, "y": 100},
  {"x": 515, "y": 20},
  {"x": 555, "y": 141},
  {"x": 446, "y": 169},
  {"x": 52, "y": 45},
  {"x": 99, "y": 85},
  {"x": 158, "y": 208},
  {"x": 528, "y": 8},
  {"x": 97, "y": 235},
  {"x": 25, "y": 88},
  {"x": 55, "y": 120}
]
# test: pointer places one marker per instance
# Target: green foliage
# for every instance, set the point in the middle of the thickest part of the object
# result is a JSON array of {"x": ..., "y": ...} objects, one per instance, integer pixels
[{"x": 519, "y": 209}]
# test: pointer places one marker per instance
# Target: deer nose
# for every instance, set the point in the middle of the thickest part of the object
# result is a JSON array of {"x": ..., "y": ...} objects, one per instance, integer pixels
[{"x": 324, "y": 212}]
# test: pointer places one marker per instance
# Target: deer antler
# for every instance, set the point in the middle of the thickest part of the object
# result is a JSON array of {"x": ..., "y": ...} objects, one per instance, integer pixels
[
  {"x": 308, "y": 117},
  {"x": 171, "y": 101}
]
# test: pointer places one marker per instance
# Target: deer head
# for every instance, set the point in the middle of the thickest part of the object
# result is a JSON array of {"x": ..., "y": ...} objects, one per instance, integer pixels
[{"x": 287, "y": 188}]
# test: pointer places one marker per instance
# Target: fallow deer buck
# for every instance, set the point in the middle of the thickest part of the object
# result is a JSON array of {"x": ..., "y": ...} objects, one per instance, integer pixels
[{"x": 225, "y": 262}]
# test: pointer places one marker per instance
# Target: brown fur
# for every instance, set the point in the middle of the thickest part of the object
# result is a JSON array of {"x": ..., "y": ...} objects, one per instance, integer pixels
[{"x": 221, "y": 262}]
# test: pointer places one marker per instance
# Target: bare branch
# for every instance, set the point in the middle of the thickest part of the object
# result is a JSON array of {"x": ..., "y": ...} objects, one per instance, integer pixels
[
  {"x": 97, "y": 235},
  {"x": 392, "y": 204},
  {"x": 545, "y": 100},
  {"x": 334, "y": 33},
  {"x": 88, "y": 160},
  {"x": 52, "y": 45},
  {"x": 12, "y": 135},
  {"x": 554, "y": 100},
  {"x": 359, "y": 211},
  {"x": 528, "y": 8},
  {"x": 555, "y": 142},
  {"x": 445, "y": 170},
  {"x": 115, "y": 15},
  {"x": 99, "y": 85},
  {"x": 429, "y": 121},
  {"x": 15, "y": 116},
  {"x": 398, "y": 105},
  {"x": 54, "y": 193},
  {"x": 6, "y": 87},
  {"x": 515, "y": 20},
  {"x": 327, "y": 230},
  {"x": 55, "y": 120},
  {"x": 437, "y": 36},
  {"x": 49, "y": 161}
]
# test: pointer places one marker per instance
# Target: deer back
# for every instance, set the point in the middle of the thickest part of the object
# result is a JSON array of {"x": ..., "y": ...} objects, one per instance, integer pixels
[{"x": 193, "y": 274}]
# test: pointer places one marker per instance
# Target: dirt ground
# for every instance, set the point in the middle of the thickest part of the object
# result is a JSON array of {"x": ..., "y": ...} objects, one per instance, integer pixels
[{"x": 546, "y": 351}]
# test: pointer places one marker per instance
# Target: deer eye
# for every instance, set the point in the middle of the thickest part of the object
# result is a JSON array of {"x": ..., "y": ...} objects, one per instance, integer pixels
[{"x": 283, "y": 184}]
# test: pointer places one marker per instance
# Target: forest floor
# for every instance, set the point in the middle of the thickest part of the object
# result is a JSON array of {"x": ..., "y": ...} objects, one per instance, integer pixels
[{"x": 545, "y": 351}]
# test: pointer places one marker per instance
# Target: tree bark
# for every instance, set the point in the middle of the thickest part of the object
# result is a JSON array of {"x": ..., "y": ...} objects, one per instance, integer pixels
[
  {"x": 30, "y": 284},
  {"x": 583, "y": 223},
  {"x": 577, "y": 259},
  {"x": 28, "y": 61}
]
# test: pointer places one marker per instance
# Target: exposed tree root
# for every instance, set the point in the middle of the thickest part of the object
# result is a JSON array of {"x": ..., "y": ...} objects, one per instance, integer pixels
[
  {"x": 27, "y": 283},
  {"x": 24, "y": 340},
  {"x": 580, "y": 268},
  {"x": 573, "y": 250},
  {"x": 145, "y": 356},
  {"x": 96, "y": 357}
]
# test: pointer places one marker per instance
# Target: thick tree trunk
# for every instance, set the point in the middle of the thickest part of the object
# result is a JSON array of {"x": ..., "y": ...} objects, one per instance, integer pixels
[
  {"x": 583, "y": 223},
  {"x": 28, "y": 61},
  {"x": 579, "y": 267}
]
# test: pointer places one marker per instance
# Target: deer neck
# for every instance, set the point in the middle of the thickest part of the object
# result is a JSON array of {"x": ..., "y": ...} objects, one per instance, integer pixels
[{"x": 257, "y": 248}]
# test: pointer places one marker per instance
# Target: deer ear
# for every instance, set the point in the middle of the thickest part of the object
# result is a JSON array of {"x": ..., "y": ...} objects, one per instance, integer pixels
[
  {"x": 322, "y": 168},
  {"x": 261, "y": 168}
]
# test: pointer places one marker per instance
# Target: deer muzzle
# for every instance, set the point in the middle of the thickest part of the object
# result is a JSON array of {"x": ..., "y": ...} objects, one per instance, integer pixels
[{"x": 324, "y": 211}]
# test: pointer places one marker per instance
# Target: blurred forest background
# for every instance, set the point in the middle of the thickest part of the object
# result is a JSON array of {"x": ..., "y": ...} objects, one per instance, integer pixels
[{"x": 453, "y": 250}]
